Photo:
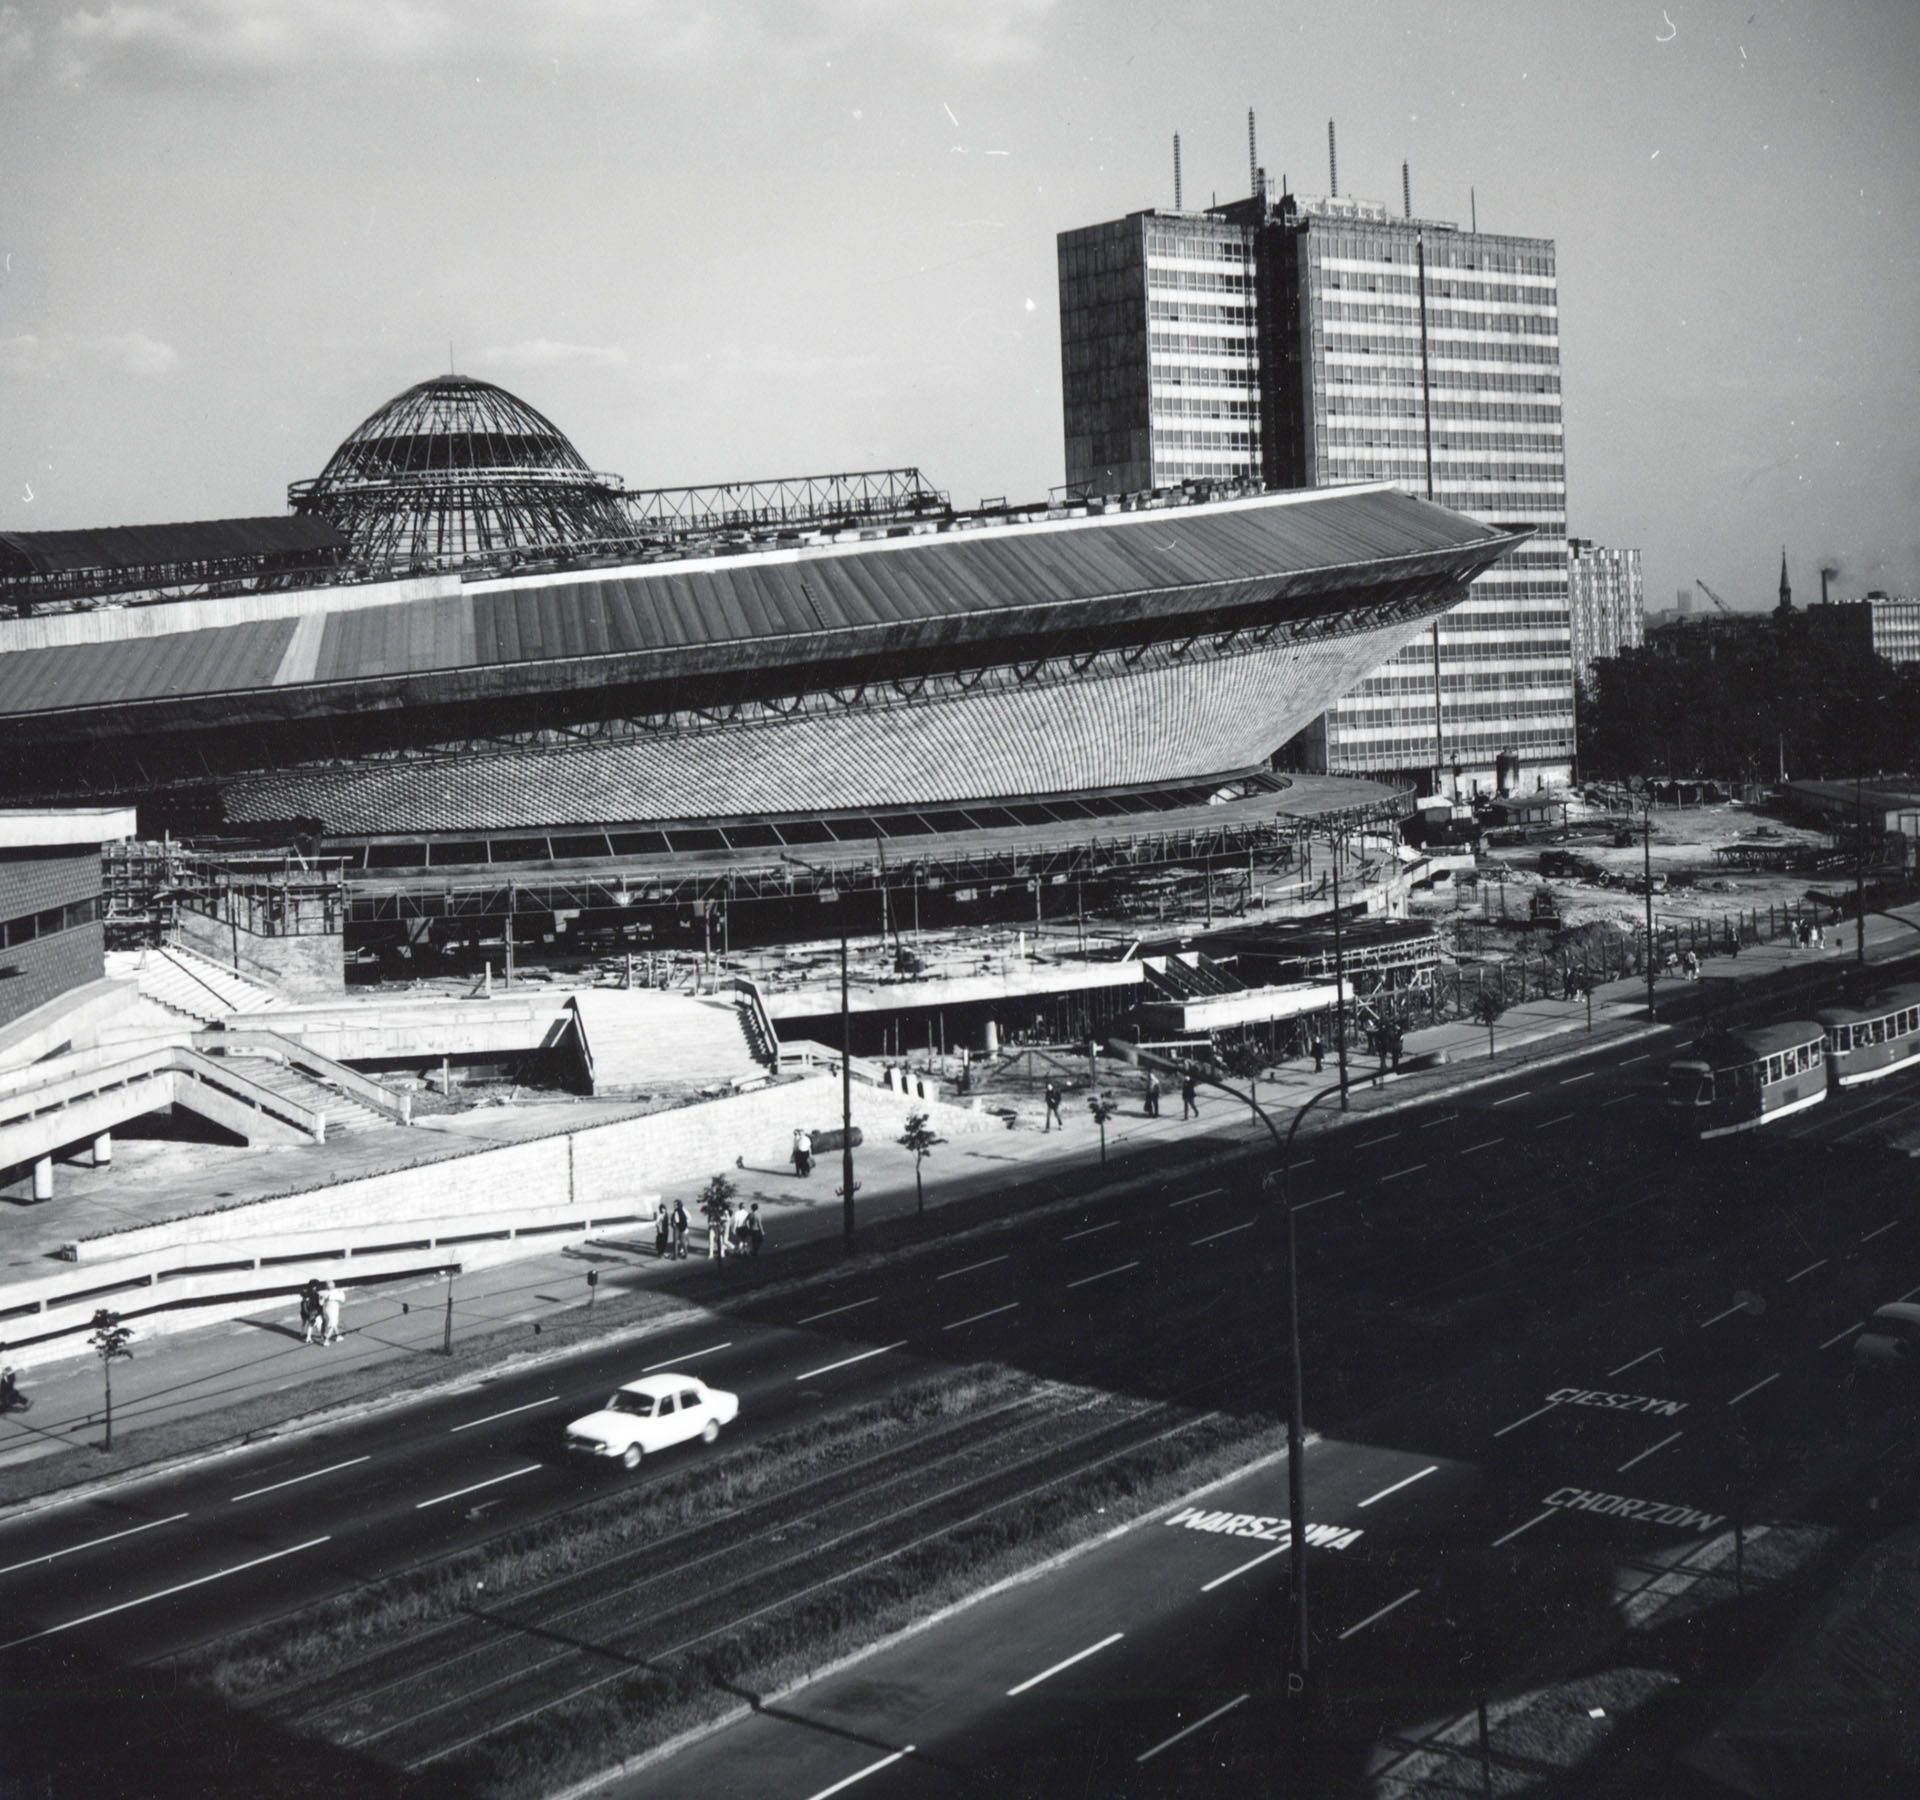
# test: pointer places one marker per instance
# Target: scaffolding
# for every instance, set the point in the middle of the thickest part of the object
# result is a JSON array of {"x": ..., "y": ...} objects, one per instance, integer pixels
[{"x": 792, "y": 503}]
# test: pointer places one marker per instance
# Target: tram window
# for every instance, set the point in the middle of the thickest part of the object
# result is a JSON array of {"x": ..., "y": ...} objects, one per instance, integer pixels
[{"x": 1773, "y": 1068}]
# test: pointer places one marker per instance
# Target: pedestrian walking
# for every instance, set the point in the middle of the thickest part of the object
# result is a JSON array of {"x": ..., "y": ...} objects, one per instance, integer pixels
[
  {"x": 1318, "y": 1051},
  {"x": 679, "y": 1231},
  {"x": 805, "y": 1151},
  {"x": 1693, "y": 965},
  {"x": 330, "y": 1314},
  {"x": 799, "y": 1164},
  {"x": 754, "y": 1230},
  {"x": 1189, "y": 1096},
  {"x": 662, "y": 1229},
  {"x": 1819, "y": 935},
  {"x": 1053, "y": 1108},
  {"x": 729, "y": 1235},
  {"x": 1153, "y": 1096},
  {"x": 309, "y": 1312}
]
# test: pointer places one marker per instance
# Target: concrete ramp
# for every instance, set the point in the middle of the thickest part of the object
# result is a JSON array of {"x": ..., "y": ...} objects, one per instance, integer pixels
[{"x": 640, "y": 1040}]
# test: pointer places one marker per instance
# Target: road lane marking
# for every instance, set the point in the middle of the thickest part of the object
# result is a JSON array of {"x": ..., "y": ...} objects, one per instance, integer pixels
[
  {"x": 992, "y": 1312},
  {"x": 1637, "y": 1361},
  {"x": 1488, "y": 1145},
  {"x": 1411, "y": 1169},
  {"x": 1431, "y": 1123},
  {"x": 491, "y": 1481},
  {"x": 1757, "y": 1386},
  {"x": 847, "y": 1362},
  {"x": 111, "y": 1537},
  {"x": 1516, "y": 1531},
  {"x": 971, "y": 1268},
  {"x": 872, "y": 1768},
  {"x": 1888, "y": 1226},
  {"x": 1644, "y": 1454},
  {"x": 1204, "y": 1194},
  {"x": 1337, "y": 1194},
  {"x": 834, "y": 1311},
  {"x": 1033, "y": 1681},
  {"x": 107, "y": 1612},
  {"x": 1398, "y": 1485},
  {"x": 273, "y": 1487},
  {"x": 1618, "y": 1100},
  {"x": 1381, "y": 1614},
  {"x": 1838, "y": 1335},
  {"x": 1808, "y": 1270},
  {"x": 510, "y": 1411},
  {"x": 1626, "y": 1061},
  {"x": 1537, "y": 1411},
  {"x": 1569, "y": 1080},
  {"x": 1264, "y": 1556},
  {"x": 1509, "y": 1099},
  {"x": 673, "y": 1362},
  {"x": 1368, "y": 1143},
  {"x": 1219, "y": 1712},
  {"x": 1124, "y": 1267},
  {"x": 1717, "y": 1317},
  {"x": 1110, "y": 1225},
  {"x": 1244, "y": 1225},
  {"x": 1547, "y": 1124}
]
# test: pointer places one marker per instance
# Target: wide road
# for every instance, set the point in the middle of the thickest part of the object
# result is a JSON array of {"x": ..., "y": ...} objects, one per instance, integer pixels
[{"x": 1447, "y": 1232}]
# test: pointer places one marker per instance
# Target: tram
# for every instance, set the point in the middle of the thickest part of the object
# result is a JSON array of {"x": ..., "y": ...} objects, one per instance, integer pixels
[
  {"x": 1873, "y": 1039},
  {"x": 1743, "y": 1079}
]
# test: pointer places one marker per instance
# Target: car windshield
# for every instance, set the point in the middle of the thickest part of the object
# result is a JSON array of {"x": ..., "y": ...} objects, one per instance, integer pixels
[{"x": 632, "y": 1403}]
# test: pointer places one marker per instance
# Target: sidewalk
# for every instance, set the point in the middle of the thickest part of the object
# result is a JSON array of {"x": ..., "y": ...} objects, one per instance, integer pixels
[{"x": 209, "y": 1371}]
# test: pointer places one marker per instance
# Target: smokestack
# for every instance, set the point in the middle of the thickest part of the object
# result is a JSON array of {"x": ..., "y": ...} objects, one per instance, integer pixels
[
  {"x": 1176, "y": 172},
  {"x": 1473, "y": 210},
  {"x": 1406, "y": 191},
  {"x": 1253, "y": 158},
  {"x": 1333, "y": 164},
  {"x": 1826, "y": 575}
]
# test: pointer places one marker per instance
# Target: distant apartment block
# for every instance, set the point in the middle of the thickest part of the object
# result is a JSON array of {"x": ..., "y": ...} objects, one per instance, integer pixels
[
  {"x": 1608, "y": 601},
  {"x": 1313, "y": 342},
  {"x": 1886, "y": 624}
]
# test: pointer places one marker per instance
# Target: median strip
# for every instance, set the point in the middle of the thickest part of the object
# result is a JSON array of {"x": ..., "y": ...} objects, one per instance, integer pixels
[{"x": 1079, "y": 1656}]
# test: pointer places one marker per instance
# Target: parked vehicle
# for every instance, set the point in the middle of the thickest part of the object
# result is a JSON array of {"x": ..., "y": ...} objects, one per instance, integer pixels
[{"x": 650, "y": 1415}]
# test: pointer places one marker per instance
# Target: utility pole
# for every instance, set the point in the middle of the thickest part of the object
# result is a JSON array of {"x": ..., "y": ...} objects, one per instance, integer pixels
[
  {"x": 846, "y": 1103},
  {"x": 1859, "y": 874},
  {"x": 1339, "y": 976},
  {"x": 1647, "y": 883}
]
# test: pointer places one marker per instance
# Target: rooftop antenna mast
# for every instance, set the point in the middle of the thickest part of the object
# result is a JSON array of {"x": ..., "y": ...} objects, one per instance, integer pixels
[
  {"x": 1253, "y": 159},
  {"x": 1473, "y": 210},
  {"x": 1333, "y": 164},
  {"x": 1176, "y": 172},
  {"x": 1406, "y": 191}
]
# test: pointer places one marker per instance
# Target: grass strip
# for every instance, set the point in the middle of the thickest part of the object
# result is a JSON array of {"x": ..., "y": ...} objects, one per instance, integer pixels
[{"x": 372, "y": 1617}]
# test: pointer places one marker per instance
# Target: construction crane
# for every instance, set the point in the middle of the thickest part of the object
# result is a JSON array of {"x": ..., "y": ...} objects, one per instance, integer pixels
[{"x": 1715, "y": 598}]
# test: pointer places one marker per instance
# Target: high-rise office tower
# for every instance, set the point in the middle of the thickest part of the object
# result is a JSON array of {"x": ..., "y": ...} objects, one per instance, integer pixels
[{"x": 1378, "y": 348}]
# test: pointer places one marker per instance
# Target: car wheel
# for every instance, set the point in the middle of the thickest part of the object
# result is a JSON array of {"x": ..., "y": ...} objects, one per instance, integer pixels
[
  {"x": 710, "y": 1432},
  {"x": 630, "y": 1457}
]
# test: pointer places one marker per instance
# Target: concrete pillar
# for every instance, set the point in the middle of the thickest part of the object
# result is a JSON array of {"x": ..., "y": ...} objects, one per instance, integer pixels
[
  {"x": 103, "y": 1151},
  {"x": 990, "y": 1038},
  {"x": 43, "y": 1178}
]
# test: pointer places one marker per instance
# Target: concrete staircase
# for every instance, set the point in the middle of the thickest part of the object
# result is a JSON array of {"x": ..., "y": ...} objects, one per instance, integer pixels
[
  {"x": 343, "y": 1112},
  {"x": 194, "y": 986}
]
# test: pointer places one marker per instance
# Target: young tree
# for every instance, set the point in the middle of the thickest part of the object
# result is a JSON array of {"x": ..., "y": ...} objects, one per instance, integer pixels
[
  {"x": 920, "y": 1138},
  {"x": 1103, "y": 1107},
  {"x": 713, "y": 1201},
  {"x": 1487, "y": 1009},
  {"x": 109, "y": 1341}
]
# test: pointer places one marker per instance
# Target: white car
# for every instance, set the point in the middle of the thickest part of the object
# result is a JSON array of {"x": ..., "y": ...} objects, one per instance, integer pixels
[{"x": 651, "y": 1415}]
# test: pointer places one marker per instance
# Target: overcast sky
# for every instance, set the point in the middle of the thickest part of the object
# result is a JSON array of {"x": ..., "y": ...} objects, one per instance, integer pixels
[{"x": 792, "y": 236}]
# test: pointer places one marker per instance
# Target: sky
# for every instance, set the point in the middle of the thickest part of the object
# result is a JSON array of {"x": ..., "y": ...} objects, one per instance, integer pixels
[{"x": 754, "y": 238}]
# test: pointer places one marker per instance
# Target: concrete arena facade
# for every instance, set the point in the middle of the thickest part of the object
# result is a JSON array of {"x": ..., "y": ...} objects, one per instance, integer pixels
[{"x": 1111, "y": 726}]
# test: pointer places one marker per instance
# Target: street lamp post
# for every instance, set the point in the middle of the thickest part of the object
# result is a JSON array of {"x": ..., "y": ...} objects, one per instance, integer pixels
[
  {"x": 1339, "y": 976},
  {"x": 1647, "y": 883}
]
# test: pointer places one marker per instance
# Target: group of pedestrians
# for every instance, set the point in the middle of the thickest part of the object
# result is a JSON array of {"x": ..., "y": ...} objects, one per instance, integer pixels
[
  {"x": 670, "y": 1231},
  {"x": 320, "y": 1313}
]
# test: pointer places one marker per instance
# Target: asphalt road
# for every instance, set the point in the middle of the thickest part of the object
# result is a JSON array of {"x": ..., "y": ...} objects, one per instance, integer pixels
[{"x": 1476, "y": 1228}]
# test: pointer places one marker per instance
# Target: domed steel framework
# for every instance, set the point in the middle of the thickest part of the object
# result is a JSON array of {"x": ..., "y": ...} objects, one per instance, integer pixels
[{"x": 456, "y": 470}]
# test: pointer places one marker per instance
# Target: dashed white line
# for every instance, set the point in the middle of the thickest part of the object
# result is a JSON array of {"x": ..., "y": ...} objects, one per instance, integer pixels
[
  {"x": 1509, "y": 1099},
  {"x": 1717, "y": 1317},
  {"x": 273, "y": 1487},
  {"x": 1808, "y": 1270},
  {"x": 1212, "y": 1236},
  {"x": 1888, "y": 1226},
  {"x": 1411, "y": 1169},
  {"x": 835, "y": 1311},
  {"x": 1219, "y": 1712},
  {"x": 1369, "y": 1143},
  {"x": 1398, "y": 1485},
  {"x": 1548, "y": 1124},
  {"x": 1429, "y": 1124},
  {"x": 1619, "y": 1100},
  {"x": 1627, "y": 1061},
  {"x": 491, "y": 1481},
  {"x": 992, "y": 1312},
  {"x": 1033, "y": 1681},
  {"x": 1089, "y": 1231},
  {"x": 1637, "y": 1361},
  {"x": 673, "y": 1362},
  {"x": 1372, "y": 1617},
  {"x": 181, "y": 1587},
  {"x": 872, "y": 1768},
  {"x": 1757, "y": 1386},
  {"x": 1515, "y": 1426},
  {"x": 971, "y": 1268},
  {"x": 1488, "y": 1145},
  {"x": 490, "y": 1417},
  {"x": 1584, "y": 1075},
  {"x": 847, "y": 1362},
  {"x": 1848, "y": 1332},
  {"x": 1285, "y": 1545},
  {"x": 1644, "y": 1454},
  {"x": 1337, "y": 1194},
  {"x": 111, "y": 1537},
  {"x": 1204, "y": 1194},
  {"x": 1516, "y": 1531},
  {"x": 1124, "y": 1267}
]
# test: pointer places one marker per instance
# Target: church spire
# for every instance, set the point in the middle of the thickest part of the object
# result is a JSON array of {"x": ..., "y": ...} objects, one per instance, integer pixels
[{"x": 1786, "y": 590}]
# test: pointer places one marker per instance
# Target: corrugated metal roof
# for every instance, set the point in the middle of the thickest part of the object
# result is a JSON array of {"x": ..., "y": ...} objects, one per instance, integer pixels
[
  {"x": 142, "y": 546},
  {"x": 217, "y": 660}
]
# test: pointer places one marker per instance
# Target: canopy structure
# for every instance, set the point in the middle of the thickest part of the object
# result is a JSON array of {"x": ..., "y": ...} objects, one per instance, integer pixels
[
  {"x": 456, "y": 469},
  {"x": 39, "y": 566}
]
